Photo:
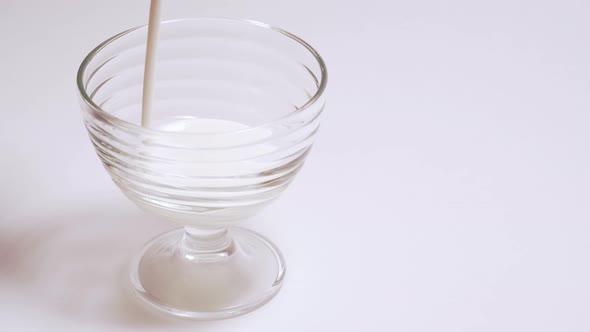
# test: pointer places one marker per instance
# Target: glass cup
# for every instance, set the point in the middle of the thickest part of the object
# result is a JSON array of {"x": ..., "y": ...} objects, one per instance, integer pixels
[{"x": 237, "y": 105}]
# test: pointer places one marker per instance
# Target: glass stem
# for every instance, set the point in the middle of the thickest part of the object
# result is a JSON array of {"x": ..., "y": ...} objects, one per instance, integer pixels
[{"x": 207, "y": 242}]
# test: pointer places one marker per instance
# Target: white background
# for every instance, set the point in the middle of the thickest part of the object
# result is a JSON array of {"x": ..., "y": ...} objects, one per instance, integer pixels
[{"x": 449, "y": 188}]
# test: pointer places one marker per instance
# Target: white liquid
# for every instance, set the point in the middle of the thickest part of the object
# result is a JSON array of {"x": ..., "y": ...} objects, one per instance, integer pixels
[
  {"x": 150, "y": 63},
  {"x": 228, "y": 154},
  {"x": 199, "y": 125},
  {"x": 220, "y": 170}
]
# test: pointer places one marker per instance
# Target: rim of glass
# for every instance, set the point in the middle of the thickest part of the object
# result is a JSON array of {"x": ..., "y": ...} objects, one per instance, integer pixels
[{"x": 132, "y": 126}]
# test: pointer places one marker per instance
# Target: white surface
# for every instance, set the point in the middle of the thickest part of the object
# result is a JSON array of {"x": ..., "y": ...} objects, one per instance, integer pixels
[{"x": 448, "y": 191}]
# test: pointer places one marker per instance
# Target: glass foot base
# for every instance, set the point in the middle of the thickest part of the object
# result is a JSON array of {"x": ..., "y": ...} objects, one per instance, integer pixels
[{"x": 196, "y": 275}]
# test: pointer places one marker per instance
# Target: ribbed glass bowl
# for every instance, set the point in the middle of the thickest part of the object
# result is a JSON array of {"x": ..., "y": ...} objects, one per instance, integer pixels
[{"x": 237, "y": 104}]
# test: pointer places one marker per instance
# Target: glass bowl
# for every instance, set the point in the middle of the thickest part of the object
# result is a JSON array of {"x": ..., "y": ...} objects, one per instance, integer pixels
[{"x": 237, "y": 105}]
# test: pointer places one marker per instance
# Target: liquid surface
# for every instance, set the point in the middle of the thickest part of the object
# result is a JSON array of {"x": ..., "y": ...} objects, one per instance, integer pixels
[
  {"x": 200, "y": 125},
  {"x": 234, "y": 152}
]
